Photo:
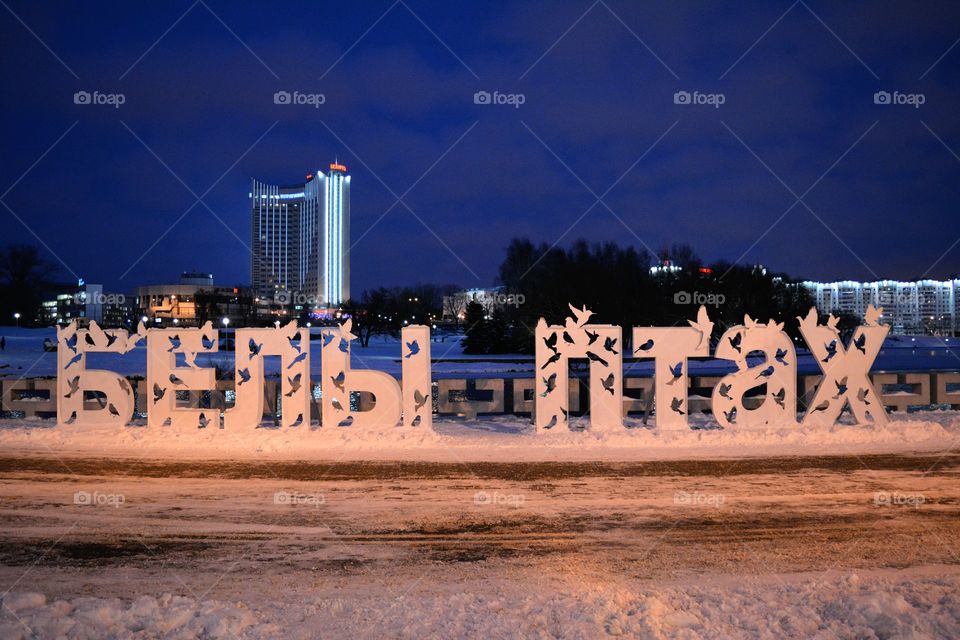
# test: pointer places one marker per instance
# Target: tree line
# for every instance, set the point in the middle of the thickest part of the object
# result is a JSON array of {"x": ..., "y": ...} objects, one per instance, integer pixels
[{"x": 617, "y": 284}]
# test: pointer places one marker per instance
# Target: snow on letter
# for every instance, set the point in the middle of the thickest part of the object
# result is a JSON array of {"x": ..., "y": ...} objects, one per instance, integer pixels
[
  {"x": 778, "y": 371},
  {"x": 670, "y": 347},
  {"x": 602, "y": 346},
  {"x": 165, "y": 378},
  {"x": 74, "y": 379},
  {"x": 417, "y": 379},
  {"x": 253, "y": 345},
  {"x": 845, "y": 371},
  {"x": 339, "y": 380}
]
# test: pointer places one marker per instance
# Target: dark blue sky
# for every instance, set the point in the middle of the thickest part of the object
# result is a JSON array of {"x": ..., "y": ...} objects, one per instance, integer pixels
[{"x": 880, "y": 184}]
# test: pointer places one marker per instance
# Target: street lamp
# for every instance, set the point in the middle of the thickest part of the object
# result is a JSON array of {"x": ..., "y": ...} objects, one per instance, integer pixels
[
  {"x": 226, "y": 322},
  {"x": 16, "y": 317}
]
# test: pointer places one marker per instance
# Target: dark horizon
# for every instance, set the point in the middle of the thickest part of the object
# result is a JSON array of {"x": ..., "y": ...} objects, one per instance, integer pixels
[{"x": 798, "y": 169}]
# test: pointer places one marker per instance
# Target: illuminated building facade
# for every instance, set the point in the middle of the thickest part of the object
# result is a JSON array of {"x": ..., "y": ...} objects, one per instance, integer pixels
[
  {"x": 301, "y": 240},
  {"x": 919, "y": 307},
  {"x": 86, "y": 303},
  {"x": 335, "y": 235}
]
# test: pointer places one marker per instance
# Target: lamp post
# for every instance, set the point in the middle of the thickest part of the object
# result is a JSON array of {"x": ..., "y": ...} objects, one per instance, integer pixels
[{"x": 16, "y": 317}]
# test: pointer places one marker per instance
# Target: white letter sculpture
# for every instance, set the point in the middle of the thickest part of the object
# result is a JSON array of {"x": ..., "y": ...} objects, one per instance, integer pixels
[
  {"x": 252, "y": 346},
  {"x": 670, "y": 347},
  {"x": 339, "y": 380},
  {"x": 74, "y": 379},
  {"x": 601, "y": 345},
  {"x": 846, "y": 378},
  {"x": 417, "y": 381},
  {"x": 778, "y": 371},
  {"x": 845, "y": 371},
  {"x": 165, "y": 378}
]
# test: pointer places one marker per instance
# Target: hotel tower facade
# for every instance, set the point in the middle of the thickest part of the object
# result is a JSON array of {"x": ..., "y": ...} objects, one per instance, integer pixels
[{"x": 301, "y": 240}]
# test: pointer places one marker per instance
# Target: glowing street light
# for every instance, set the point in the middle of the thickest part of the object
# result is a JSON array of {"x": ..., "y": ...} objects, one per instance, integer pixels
[
  {"x": 226, "y": 322},
  {"x": 16, "y": 317}
]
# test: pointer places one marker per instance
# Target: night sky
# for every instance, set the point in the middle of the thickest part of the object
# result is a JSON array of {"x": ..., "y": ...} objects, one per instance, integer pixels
[{"x": 113, "y": 192}]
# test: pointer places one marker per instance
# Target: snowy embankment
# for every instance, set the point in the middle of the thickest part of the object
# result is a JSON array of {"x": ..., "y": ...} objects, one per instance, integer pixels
[
  {"x": 870, "y": 604},
  {"x": 495, "y": 439}
]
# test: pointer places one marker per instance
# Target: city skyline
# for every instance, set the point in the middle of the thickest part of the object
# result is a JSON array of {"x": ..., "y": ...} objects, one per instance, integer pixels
[{"x": 470, "y": 126}]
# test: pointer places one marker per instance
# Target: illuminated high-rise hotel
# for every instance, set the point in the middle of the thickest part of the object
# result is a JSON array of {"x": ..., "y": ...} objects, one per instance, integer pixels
[
  {"x": 301, "y": 240},
  {"x": 335, "y": 272}
]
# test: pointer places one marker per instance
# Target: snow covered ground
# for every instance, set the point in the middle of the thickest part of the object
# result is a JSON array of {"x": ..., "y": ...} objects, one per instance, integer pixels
[
  {"x": 814, "y": 547},
  {"x": 490, "y": 438},
  {"x": 481, "y": 529},
  {"x": 886, "y": 604}
]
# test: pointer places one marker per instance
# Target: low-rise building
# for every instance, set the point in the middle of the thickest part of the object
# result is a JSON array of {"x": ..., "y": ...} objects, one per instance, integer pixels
[
  {"x": 86, "y": 303},
  {"x": 194, "y": 301}
]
